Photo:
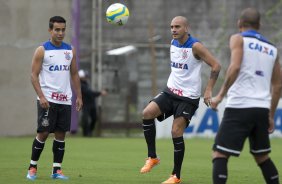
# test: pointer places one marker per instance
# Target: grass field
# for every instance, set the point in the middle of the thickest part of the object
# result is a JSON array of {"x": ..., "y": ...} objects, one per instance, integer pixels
[{"x": 118, "y": 160}]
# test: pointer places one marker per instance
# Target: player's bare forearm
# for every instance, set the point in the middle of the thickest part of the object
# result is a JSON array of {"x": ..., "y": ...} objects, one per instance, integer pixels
[
  {"x": 209, "y": 87},
  {"x": 276, "y": 91},
  {"x": 76, "y": 85},
  {"x": 230, "y": 79},
  {"x": 77, "y": 89},
  {"x": 213, "y": 78},
  {"x": 276, "y": 87},
  {"x": 214, "y": 74},
  {"x": 35, "y": 83},
  {"x": 42, "y": 100},
  {"x": 227, "y": 84}
]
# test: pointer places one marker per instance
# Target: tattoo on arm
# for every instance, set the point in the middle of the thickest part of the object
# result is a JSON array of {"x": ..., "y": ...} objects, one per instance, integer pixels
[
  {"x": 227, "y": 83},
  {"x": 214, "y": 75}
]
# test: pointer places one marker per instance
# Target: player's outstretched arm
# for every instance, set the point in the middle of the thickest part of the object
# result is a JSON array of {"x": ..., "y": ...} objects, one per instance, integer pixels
[
  {"x": 202, "y": 52},
  {"x": 36, "y": 65},
  {"x": 76, "y": 82},
  {"x": 236, "y": 47},
  {"x": 276, "y": 87}
]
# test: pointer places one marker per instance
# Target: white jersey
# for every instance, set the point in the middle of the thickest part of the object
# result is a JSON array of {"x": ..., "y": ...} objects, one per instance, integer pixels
[
  {"x": 185, "y": 76},
  {"x": 54, "y": 76},
  {"x": 252, "y": 86}
]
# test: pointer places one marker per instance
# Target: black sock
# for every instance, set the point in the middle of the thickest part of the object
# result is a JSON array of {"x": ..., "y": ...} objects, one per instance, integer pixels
[
  {"x": 269, "y": 172},
  {"x": 37, "y": 148},
  {"x": 56, "y": 168},
  {"x": 149, "y": 129},
  {"x": 220, "y": 170},
  {"x": 58, "y": 154},
  {"x": 179, "y": 149}
]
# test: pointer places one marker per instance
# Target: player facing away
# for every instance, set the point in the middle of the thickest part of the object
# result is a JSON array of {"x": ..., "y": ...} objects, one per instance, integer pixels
[
  {"x": 53, "y": 68},
  {"x": 181, "y": 96},
  {"x": 253, "y": 87}
]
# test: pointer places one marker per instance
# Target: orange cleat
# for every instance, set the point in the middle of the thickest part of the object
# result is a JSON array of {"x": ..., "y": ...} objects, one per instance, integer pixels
[
  {"x": 149, "y": 164},
  {"x": 171, "y": 180}
]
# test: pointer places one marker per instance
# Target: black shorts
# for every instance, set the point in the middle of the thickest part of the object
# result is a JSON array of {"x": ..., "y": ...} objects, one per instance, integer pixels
[
  {"x": 239, "y": 124},
  {"x": 56, "y": 118},
  {"x": 169, "y": 105}
]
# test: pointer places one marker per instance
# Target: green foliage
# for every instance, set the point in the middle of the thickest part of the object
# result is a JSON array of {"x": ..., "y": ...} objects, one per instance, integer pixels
[
  {"x": 275, "y": 25},
  {"x": 118, "y": 160},
  {"x": 222, "y": 38}
]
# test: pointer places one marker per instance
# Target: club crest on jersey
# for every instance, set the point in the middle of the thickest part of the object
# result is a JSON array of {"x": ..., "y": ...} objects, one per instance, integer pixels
[
  {"x": 67, "y": 55},
  {"x": 185, "y": 53}
]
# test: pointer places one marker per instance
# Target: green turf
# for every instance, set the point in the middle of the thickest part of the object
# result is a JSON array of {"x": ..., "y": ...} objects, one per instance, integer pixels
[{"x": 118, "y": 160}]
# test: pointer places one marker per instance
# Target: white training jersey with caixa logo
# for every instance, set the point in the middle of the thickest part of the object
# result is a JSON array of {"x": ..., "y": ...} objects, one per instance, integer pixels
[
  {"x": 185, "y": 76},
  {"x": 252, "y": 86},
  {"x": 54, "y": 76}
]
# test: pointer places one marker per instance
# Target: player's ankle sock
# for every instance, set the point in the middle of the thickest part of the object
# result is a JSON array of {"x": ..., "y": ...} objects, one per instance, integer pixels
[
  {"x": 179, "y": 149},
  {"x": 58, "y": 151},
  {"x": 220, "y": 170},
  {"x": 269, "y": 172},
  {"x": 149, "y": 129},
  {"x": 37, "y": 148},
  {"x": 56, "y": 166},
  {"x": 32, "y": 164}
]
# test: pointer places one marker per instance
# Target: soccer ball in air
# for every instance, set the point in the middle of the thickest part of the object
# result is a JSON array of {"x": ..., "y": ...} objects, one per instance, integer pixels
[{"x": 117, "y": 14}]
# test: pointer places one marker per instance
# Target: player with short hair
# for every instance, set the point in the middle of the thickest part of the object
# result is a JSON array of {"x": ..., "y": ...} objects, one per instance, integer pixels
[
  {"x": 253, "y": 87},
  {"x": 181, "y": 96},
  {"x": 53, "y": 67}
]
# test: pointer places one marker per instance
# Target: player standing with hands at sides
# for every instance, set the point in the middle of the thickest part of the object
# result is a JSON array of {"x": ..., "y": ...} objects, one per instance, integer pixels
[
  {"x": 253, "y": 87},
  {"x": 52, "y": 70},
  {"x": 181, "y": 96}
]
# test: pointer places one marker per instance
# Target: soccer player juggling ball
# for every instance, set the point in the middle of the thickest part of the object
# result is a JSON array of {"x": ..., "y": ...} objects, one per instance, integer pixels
[
  {"x": 181, "y": 96},
  {"x": 253, "y": 87}
]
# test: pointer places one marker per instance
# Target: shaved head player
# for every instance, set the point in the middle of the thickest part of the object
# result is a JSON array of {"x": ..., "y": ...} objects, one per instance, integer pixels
[
  {"x": 181, "y": 96},
  {"x": 253, "y": 87}
]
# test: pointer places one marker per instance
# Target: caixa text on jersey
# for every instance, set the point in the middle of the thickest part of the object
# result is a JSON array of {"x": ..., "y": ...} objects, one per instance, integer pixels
[{"x": 59, "y": 68}]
